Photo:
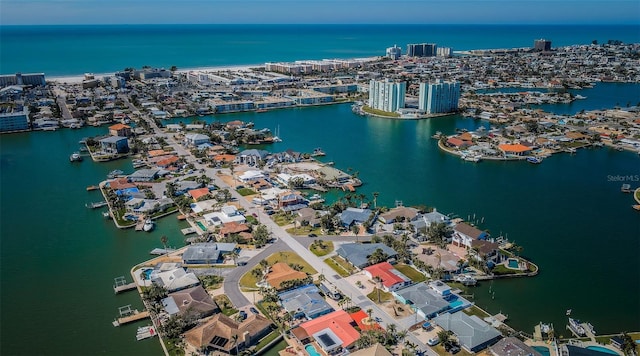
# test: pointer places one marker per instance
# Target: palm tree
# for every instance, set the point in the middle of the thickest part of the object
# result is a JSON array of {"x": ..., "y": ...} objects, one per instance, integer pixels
[
  {"x": 369, "y": 313},
  {"x": 378, "y": 280},
  {"x": 234, "y": 339},
  {"x": 375, "y": 199},
  {"x": 164, "y": 241}
]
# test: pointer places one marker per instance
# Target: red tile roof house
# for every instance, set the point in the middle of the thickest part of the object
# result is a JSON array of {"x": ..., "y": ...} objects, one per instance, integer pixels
[
  {"x": 333, "y": 331},
  {"x": 458, "y": 143},
  {"x": 391, "y": 278},
  {"x": 196, "y": 194}
]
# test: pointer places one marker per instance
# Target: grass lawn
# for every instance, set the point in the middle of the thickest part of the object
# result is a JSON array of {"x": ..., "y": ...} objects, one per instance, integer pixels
[
  {"x": 379, "y": 112},
  {"x": 336, "y": 267},
  {"x": 501, "y": 269},
  {"x": 282, "y": 219},
  {"x": 339, "y": 265},
  {"x": 248, "y": 281},
  {"x": 303, "y": 230},
  {"x": 291, "y": 257},
  {"x": 384, "y": 296},
  {"x": 225, "y": 305},
  {"x": 246, "y": 191},
  {"x": 476, "y": 311},
  {"x": 410, "y": 272},
  {"x": 327, "y": 247},
  {"x": 267, "y": 339}
]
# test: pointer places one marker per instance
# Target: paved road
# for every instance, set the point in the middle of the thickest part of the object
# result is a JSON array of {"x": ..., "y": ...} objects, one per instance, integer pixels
[
  {"x": 232, "y": 280},
  {"x": 287, "y": 242}
]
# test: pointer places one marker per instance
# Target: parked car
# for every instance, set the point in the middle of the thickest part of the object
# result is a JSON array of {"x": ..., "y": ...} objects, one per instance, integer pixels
[
  {"x": 433, "y": 342},
  {"x": 454, "y": 349},
  {"x": 253, "y": 310},
  {"x": 313, "y": 235},
  {"x": 243, "y": 315}
]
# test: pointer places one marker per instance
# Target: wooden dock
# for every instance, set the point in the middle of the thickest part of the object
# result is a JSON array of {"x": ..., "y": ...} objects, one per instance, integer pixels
[
  {"x": 188, "y": 231},
  {"x": 120, "y": 285},
  {"x": 134, "y": 316}
]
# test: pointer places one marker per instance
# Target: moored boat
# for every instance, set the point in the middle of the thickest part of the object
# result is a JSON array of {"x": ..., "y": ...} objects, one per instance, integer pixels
[
  {"x": 148, "y": 225},
  {"x": 75, "y": 157},
  {"x": 534, "y": 160},
  {"x": 145, "y": 332},
  {"x": 115, "y": 173},
  {"x": 576, "y": 328}
]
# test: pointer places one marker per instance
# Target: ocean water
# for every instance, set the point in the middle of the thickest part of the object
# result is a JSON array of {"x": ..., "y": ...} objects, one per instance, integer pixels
[
  {"x": 58, "y": 258},
  {"x": 66, "y": 50}
]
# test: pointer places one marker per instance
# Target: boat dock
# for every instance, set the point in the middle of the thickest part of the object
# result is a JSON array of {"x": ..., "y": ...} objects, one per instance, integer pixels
[
  {"x": 188, "y": 231},
  {"x": 128, "y": 316},
  {"x": 95, "y": 205},
  {"x": 92, "y": 187},
  {"x": 120, "y": 285},
  {"x": 161, "y": 251}
]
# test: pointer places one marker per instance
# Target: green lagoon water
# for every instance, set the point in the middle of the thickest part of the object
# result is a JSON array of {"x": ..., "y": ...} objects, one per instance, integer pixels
[{"x": 58, "y": 258}]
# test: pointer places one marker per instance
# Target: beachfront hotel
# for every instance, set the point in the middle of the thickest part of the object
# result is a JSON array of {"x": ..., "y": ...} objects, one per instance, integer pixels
[
  {"x": 439, "y": 97},
  {"x": 14, "y": 118},
  {"x": 387, "y": 95},
  {"x": 422, "y": 50}
]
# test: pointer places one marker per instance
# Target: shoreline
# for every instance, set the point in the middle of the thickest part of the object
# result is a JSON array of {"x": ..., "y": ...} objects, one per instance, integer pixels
[{"x": 78, "y": 78}]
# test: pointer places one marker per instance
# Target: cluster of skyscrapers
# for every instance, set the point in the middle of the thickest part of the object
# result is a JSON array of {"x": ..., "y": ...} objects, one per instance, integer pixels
[
  {"x": 434, "y": 98},
  {"x": 419, "y": 50}
]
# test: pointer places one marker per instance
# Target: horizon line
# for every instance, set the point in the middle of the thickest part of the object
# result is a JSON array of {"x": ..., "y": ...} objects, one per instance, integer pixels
[{"x": 326, "y": 24}]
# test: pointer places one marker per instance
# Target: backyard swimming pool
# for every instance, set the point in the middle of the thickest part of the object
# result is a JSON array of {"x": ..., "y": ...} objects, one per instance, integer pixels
[
  {"x": 543, "y": 350},
  {"x": 602, "y": 349},
  {"x": 513, "y": 263},
  {"x": 312, "y": 350}
]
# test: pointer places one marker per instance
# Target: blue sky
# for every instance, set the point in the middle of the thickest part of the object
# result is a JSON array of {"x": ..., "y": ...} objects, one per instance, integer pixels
[{"x": 29, "y": 12}]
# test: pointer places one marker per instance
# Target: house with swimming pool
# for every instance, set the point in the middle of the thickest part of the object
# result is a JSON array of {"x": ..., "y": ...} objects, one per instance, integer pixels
[
  {"x": 429, "y": 300},
  {"x": 473, "y": 334},
  {"x": 333, "y": 333}
]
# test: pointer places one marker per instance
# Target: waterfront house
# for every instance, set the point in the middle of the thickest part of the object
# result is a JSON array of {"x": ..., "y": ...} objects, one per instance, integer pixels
[
  {"x": 251, "y": 157},
  {"x": 441, "y": 288},
  {"x": 400, "y": 213},
  {"x": 473, "y": 334},
  {"x": 390, "y": 278},
  {"x": 193, "y": 301},
  {"x": 289, "y": 201},
  {"x": 120, "y": 130},
  {"x": 514, "y": 150},
  {"x": 114, "y": 145},
  {"x": 146, "y": 175},
  {"x": 488, "y": 251},
  {"x": 333, "y": 332},
  {"x": 227, "y": 214},
  {"x": 458, "y": 143},
  {"x": 282, "y": 272},
  {"x": 218, "y": 333},
  {"x": 204, "y": 206},
  {"x": 352, "y": 216},
  {"x": 174, "y": 279},
  {"x": 464, "y": 233},
  {"x": 358, "y": 254},
  {"x": 147, "y": 207},
  {"x": 423, "y": 299},
  {"x": 423, "y": 221},
  {"x": 512, "y": 346},
  {"x": 195, "y": 139},
  {"x": 207, "y": 253},
  {"x": 305, "y": 302}
]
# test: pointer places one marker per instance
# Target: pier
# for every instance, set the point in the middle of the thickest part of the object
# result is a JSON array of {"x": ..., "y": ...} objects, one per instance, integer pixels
[
  {"x": 120, "y": 285},
  {"x": 188, "y": 231},
  {"x": 128, "y": 316},
  {"x": 96, "y": 205}
]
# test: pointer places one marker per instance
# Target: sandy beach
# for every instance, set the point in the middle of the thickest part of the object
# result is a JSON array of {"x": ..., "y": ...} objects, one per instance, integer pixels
[{"x": 76, "y": 79}]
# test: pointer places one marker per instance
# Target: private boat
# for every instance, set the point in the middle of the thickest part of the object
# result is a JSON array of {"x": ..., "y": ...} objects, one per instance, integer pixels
[
  {"x": 318, "y": 152},
  {"x": 575, "y": 326},
  {"x": 534, "y": 160},
  {"x": 75, "y": 157},
  {"x": 148, "y": 225},
  {"x": 466, "y": 280},
  {"x": 145, "y": 332},
  {"x": 626, "y": 188},
  {"x": 114, "y": 173},
  {"x": 472, "y": 158}
]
